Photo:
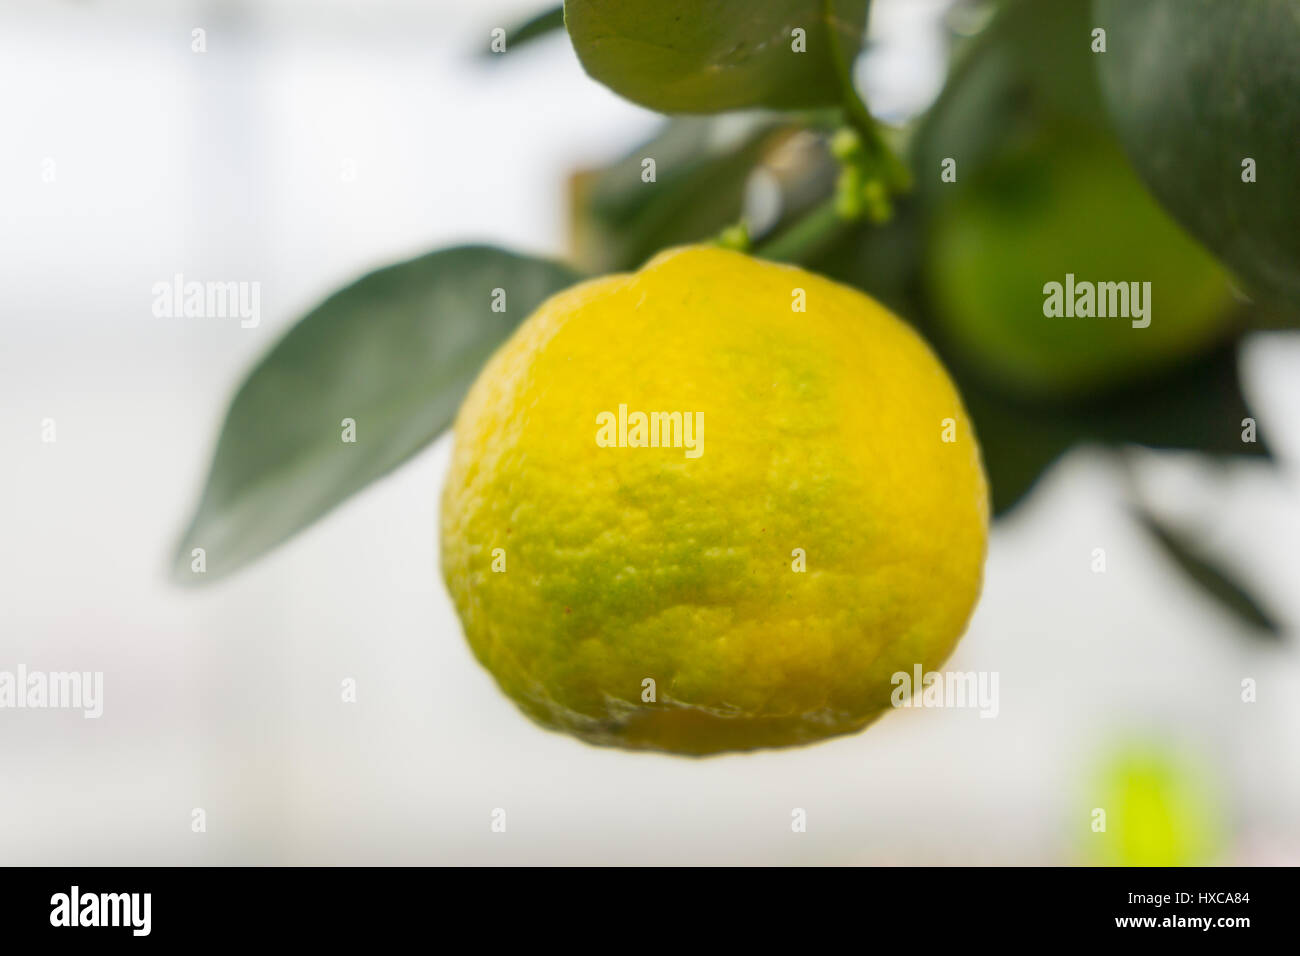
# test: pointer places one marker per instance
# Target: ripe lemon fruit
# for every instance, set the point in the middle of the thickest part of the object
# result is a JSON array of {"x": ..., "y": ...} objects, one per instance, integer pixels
[{"x": 817, "y": 523}]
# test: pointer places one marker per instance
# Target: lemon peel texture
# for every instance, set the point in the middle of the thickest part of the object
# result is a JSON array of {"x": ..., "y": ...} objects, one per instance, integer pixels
[{"x": 830, "y": 533}]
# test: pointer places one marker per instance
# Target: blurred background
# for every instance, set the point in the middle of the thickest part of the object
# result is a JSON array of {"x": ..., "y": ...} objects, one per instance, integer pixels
[{"x": 314, "y": 141}]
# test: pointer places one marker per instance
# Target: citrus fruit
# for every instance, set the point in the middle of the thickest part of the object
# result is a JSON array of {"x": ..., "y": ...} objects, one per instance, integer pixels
[
  {"x": 1068, "y": 205},
  {"x": 808, "y": 518}
]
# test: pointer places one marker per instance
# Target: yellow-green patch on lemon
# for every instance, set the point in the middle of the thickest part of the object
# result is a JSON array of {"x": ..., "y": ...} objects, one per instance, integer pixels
[{"x": 754, "y": 582}]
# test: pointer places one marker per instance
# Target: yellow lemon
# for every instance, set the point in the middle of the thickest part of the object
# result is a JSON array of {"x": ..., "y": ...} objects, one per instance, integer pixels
[{"x": 713, "y": 505}]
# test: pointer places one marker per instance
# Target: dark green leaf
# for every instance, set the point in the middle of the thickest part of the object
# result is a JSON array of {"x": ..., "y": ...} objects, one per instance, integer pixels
[
  {"x": 1197, "y": 86},
  {"x": 1209, "y": 577},
  {"x": 701, "y": 165},
  {"x": 534, "y": 28},
  {"x": 1030, "y": 65},
  {"x": 394, "y": 352},
  {"x": 688, "y": 56},
  {"x": 701, "y": 168},
  {"x": 1017, "y": 448},
  {"x": 1272, "y": 313},
  {"x": 1198, "y": 407}
]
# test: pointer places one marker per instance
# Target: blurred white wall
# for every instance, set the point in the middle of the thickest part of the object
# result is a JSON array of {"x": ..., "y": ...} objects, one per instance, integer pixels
[{"x": 228, "y": 165}]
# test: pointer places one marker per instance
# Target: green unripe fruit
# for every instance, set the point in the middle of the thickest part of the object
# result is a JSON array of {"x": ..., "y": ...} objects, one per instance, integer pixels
[{"x": 1069, "y": 205}]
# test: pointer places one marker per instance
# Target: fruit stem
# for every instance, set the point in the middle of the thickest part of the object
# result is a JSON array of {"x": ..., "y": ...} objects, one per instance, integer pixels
[
  {"x": 897, "y": 176},
  {"x": 798, "y": 241},
  {"x": 870, "y": 170}
]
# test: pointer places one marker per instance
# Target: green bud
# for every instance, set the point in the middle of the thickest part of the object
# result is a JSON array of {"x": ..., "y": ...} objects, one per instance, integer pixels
[
  {"x": 735, "y": 237},
  {"x": 875, "y": 199},
  {"x": 848, "y": 194},
  {"x": 846, "y": 146}
]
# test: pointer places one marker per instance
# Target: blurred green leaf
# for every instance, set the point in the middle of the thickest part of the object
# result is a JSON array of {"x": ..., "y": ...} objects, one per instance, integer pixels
[
  {"x": 1029, "y": 66},
  {"x": 1197, "y": 86},
  {"x": 1162, "y": 808},
  {"x": 1211, "y": 578},
  {"x": 395, "y": 352},
  {"x": 1017, "y": 449},
  {"x": 534, "y": 28},
  {"x": 701, "y": 167},
  {"x": 1268, "y": 312},
  {"x": 1196, "y": 407},
  {"x": 684, "y": 56}
]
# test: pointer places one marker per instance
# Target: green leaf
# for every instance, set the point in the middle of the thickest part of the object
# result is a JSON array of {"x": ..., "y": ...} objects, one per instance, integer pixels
[
  {"x": 534, "y": 28},
  {"x": 1197, "y": 86},
  {"x": 1029, "y": 65},
  {"x": 1017, "y": 448},
  {"x": 1217, "y": 582},
  {"x": 701, "y": 167},
  {"x": 707, "y": 56},
  {"x": 394, "y": 352},
  {"x": 1197, "y": 407}
]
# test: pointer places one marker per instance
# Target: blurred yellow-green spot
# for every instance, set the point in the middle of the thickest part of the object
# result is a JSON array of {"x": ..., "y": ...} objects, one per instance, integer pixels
[{"x": 1160, "y": 810}]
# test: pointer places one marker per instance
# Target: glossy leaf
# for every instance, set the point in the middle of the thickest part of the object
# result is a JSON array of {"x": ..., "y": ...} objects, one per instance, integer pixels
[
  {"x": 393, "y": 353},
  {"x": 534, "y": 28},
  {"x": 707, "y": 56},
  {"x": 1214, "y": 580},
  {"x": 1196, "y": 88}
]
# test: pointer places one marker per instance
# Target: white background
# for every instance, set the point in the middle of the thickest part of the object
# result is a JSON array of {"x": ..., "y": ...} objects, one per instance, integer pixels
[{"x": 227, "y": 166}]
